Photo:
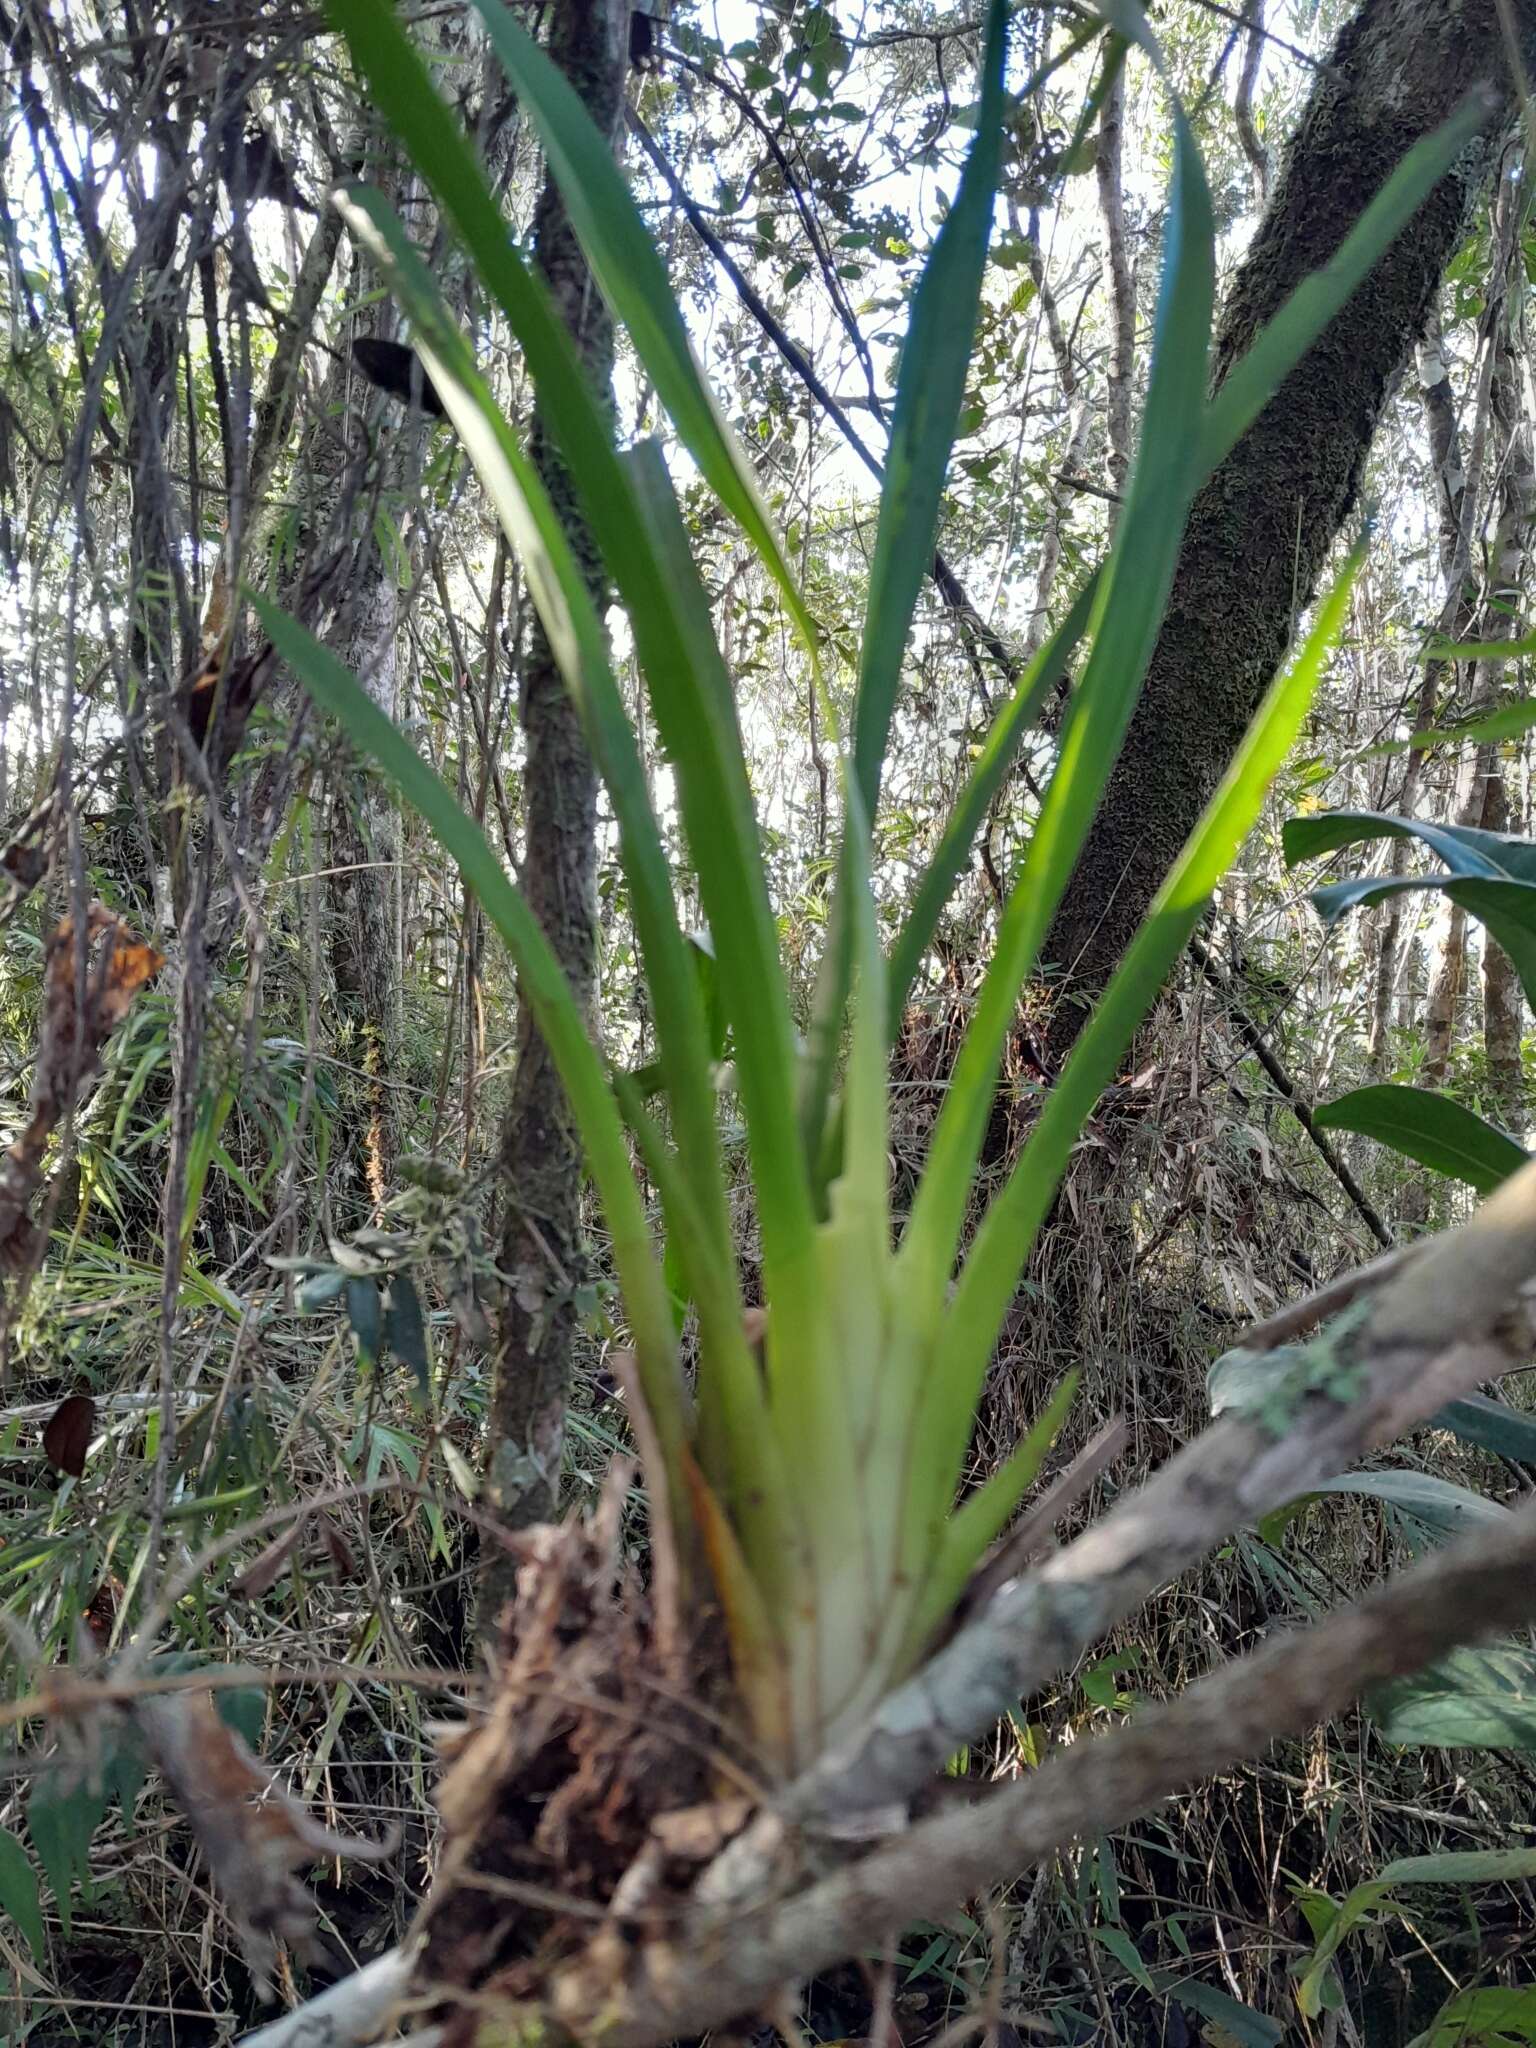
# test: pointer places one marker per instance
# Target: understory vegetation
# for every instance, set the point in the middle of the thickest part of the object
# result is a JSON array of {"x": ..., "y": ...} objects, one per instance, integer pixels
[{"x": 766, "y": 948}]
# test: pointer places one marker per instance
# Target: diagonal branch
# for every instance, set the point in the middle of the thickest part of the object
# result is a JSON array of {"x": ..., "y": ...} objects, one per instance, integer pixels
[
  {"x": 1437, "y": 1327},
  {"x": 1482, "y": 1586}
]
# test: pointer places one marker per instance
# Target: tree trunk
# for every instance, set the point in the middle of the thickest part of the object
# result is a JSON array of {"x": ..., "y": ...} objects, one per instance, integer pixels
[
  {"x": 1482, "y": 794},
  {"x": 1261, "y": 529},
  {"x": 1448, "y": 479},
  {"x": 540, "y": 1167},
  {"x": 1121, "y": 284}
]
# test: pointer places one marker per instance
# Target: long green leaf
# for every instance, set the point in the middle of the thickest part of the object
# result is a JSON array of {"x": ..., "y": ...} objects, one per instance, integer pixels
[
  {"x": 1472, "y": 1699},
  {"x": 1277, "y": 349},
  {"x": 695, "y": 714},
  {"x": 576, "y": 636},
  {"x": 1465, "y": 849},
  {"x": 1431, "y": 1128},
  {"x": 1493, "y": 1425},
  {"x": 544, "y": 987},
  {"x": 663, "y": 602},
  {"x": 1129, "y": 605},
  {"x": 1008, "y": 1230},
  {"x": 935, "y": 363},
  {"x": 19, "y": 1894},
  {"x": 983, "y": 1517},
  {"x": 949, "y": 858},
  {"x": 633, "y": 278}
]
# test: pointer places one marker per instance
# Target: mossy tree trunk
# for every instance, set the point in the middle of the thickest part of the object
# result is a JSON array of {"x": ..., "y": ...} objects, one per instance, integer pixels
[{"x": 1261, "y": 530}]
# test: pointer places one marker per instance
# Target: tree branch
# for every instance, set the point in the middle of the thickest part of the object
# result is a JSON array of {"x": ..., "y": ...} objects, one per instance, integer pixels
[
  {"x": 1437, "y": 1327},
  {"x": 1482, "y": 1586}
]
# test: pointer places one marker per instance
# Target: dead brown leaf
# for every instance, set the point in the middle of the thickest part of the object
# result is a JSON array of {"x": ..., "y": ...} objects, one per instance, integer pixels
[
  {"x": 67, "y": 1434},
  {"x": 86, "y": 994}
]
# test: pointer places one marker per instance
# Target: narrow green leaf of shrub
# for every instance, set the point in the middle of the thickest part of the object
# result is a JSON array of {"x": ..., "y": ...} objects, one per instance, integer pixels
[
  {"x": 1282, "y": 342},
  {"x": 1241, "y": 2024},
  {"x": 978, "y": 1521},
  {"x": 544, "y": 987},
  {"x": 1471, "y": 1866},
  {"x": 953, "y": 851},
  {"x": 633, "y": 278},
  {"x": 20, "y": 1895},
  {"x": 1130, "y": 601},
  {"x": 935, "y": 363},
  {"x": 1124, "y": 1950},
  {"x": 1491, "y": 1425},
  {"x": 1431, "y": 1128},
  {"x": 580, "y": 646},
  {"x": 1008, "y": 1229}
]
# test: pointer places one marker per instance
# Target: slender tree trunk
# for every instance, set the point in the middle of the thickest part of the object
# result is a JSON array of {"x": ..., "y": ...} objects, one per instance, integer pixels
[
  {"x": 1449, "y": 483},
  {"x": 1260, "y": 531},
  {"x": 1247, "y": 130},
  {"x": 1075, "y": 391},
  {"x": 1482, "y": 797},
  {"x": 540, "y": 1169},
  {"x": 1121, "y": 282},
  {"x": 1503, "y": 1001},
  {"x": 365, "y": 825}
]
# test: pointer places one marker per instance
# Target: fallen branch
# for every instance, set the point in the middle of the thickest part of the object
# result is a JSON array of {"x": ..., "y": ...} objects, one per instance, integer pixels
[
  {"x": 348, "y": 2013},
  {"x": 1434, "y": 1324}
]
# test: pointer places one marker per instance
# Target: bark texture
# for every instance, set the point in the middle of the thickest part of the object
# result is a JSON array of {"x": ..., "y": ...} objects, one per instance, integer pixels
[
  {"x": 1260, "y": 531},
  {"x": 1482, "y": 795},
  {"x": 540, "y": 1168}
]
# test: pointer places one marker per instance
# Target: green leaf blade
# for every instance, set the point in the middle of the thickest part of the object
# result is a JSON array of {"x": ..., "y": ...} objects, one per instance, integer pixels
[{"x": 1430, "y": 1128}]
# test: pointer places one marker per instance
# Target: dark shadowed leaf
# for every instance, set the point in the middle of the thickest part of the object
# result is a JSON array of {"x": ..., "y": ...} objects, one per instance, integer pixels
[
  {"x": 1473, "y": 1699},
  {"x": 1239, "y": 2023},
  {"x": 1491, "y": 1425},
  {"x": 1441, "y": 1509},
  {"x": 67, "y": 1434},
  {"x": 405, "y": 1332},
  {"x": 365, "y": 1314},
  {"x": 323, "y": 1287},
  {"x": 19, "y": 1893}
]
